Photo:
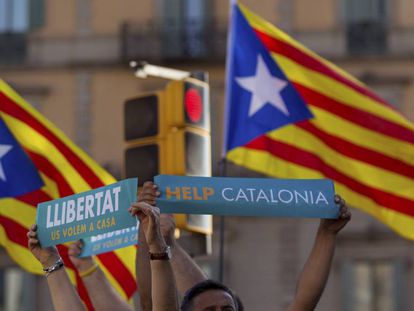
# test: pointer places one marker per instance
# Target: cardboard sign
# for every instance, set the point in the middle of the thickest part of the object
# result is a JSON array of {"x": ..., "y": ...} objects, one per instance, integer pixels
[
  {"x": 86, "y": 214},
  {"x": 110, "y": 241},
  {"x": 247, "y": 196}
]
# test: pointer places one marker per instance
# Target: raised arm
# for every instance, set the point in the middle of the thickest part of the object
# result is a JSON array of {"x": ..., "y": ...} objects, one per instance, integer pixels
[
  {"x": 163, "y": 290},
  {"x": 186, "y": 272},
  {"x": 143, "y": 272},
  {"x": 63, "y": 293},
  {"x": 102, "y": 294},
  {"x": 315, "y": 273}
]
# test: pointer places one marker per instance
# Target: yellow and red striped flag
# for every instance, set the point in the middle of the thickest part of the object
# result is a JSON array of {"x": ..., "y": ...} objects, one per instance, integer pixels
[
  {"x": 293, "y": 114},
  {"x": 39, "y": 163}
]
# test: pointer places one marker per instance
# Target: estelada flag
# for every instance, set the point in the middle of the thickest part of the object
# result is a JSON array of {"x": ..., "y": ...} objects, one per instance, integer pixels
[
  {"x": 39, "y": 163},
  {"x": 293, "y": 114}
]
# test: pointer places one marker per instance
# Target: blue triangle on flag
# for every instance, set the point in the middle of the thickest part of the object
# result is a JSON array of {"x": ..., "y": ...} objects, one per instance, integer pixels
[
  {"x": 18, "y": 175},
  {"x": 273, "y": 108}
]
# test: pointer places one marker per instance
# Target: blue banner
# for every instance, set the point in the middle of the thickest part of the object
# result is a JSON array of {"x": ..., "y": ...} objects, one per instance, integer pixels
[
  {"x": 86, "y": 214},
  {"x": 312, "y": 198},
  {"x": 110, "y": 241}
]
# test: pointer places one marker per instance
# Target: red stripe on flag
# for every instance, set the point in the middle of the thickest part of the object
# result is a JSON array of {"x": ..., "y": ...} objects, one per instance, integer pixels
[
  {"x": 310, "y": 160},
  {"x": 47, "y": 168},
  {"x": 11, "y": 108},
  {"x": 360, "y": 117},
  {"x": 15, "y": 232},
  {"x": 35, "y": 197},
  {"x": 357, "y": 152},
  {"x": 283, "y": 48},
  {"x": 123, "y": 275},
  {"x": 83, "y": 293}
]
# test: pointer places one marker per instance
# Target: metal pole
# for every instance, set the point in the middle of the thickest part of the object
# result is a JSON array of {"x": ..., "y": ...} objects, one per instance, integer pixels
[{"x": 222, "y": 173}]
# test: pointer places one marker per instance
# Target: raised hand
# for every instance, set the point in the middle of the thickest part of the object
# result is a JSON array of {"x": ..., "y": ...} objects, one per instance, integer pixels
[
  {"x": 148, "y": 194},
  {"x": 46, "y": 256},
  {"x": 81, "y": 264},
  {"x": 149, "y": 217},
  {"x": 333, "y": 226}
]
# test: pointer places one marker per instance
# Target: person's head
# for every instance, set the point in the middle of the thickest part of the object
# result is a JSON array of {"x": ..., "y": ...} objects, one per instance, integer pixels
[{"x": 209, "y": 295}]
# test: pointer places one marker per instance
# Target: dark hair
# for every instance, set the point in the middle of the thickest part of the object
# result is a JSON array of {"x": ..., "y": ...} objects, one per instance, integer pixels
[{"x": 203, "y": 286}]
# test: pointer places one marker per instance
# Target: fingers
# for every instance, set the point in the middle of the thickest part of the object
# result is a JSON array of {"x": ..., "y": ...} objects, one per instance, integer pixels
[
  {"x": 141, "y": 209},
  {"x": 75, "y": 249},
  {"x": 33, "y": 242},
  {"x": 32, "y": 239},
  {"x": 149, "y": 193},
  {"x": 148, "y": 198},
  {"x": 32, "y": 234},
  {"x": 344, "y": 212},
  {"x": 338, "y": 199}
]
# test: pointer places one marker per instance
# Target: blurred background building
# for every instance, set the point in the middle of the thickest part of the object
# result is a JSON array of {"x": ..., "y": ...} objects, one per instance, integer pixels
[{"x": 69, "y": 59}]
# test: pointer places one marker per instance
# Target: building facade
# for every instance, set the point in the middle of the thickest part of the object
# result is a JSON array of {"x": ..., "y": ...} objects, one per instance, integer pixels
[{"x": 70, "y": 60}]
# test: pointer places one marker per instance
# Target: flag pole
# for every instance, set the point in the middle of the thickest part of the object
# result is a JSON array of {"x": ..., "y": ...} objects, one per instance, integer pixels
[{"x": 223, "y": 161}]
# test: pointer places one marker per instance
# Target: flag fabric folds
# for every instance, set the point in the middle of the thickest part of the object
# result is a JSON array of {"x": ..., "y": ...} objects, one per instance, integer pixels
[
  {"x": 39, "y": 163},
  {"x": 292, "y": 114}
]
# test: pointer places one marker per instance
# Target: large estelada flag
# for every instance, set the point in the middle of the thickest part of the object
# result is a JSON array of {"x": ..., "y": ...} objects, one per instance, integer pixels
[
  {"x": 39, "y": 163},
  {"x": 293, "y": 114}
]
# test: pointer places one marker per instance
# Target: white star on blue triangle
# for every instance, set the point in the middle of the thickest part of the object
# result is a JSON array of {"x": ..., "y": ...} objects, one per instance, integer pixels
[
  {"x": 4, "y": 149},
  {"x": 265, "y": 88}
]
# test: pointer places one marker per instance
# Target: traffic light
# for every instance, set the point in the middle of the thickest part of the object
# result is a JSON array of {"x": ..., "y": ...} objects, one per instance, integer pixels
[
  {"x": 168, "y": 132},
  {"x": 144, "y": 120}
]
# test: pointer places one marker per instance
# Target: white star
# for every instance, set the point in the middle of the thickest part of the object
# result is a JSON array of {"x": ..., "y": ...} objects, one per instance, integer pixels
[
  {"x": 3, "y": 150},
  {"x": 265, "y": 88}
]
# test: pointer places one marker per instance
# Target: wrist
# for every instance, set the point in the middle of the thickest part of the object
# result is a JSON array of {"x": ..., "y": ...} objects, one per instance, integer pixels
[
  {"x": 157, "y": 246},
  {"x": 326, "y": 234},
  {"x": 164, "y": 255},
  {"x": 170, "y": 241},
  {"x": 90, "y": 270},
  {"x": 54, "y": 267},
  {"x": 49, "y": 261},
  {"x": 86, "y": 264}
]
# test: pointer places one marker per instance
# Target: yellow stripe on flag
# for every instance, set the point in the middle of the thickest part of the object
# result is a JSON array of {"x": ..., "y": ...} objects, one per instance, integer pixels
[
  {"x": 364, "y": 173},
  {"x": 33, "y": 141},
  {"x": 264, "y": 162},
  {"x": 50, "y": 187},
  {"x": 72, "y": 275},
  {"x": 20, "y": 212},
  {"x": 362, "y": 136},
  {"x": 400, "y": 223},
  {"x": 338, "y": 91}
]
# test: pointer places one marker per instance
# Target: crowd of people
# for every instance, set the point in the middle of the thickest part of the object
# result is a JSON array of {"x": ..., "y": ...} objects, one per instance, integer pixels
[{"x": 167, "y": 277}]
